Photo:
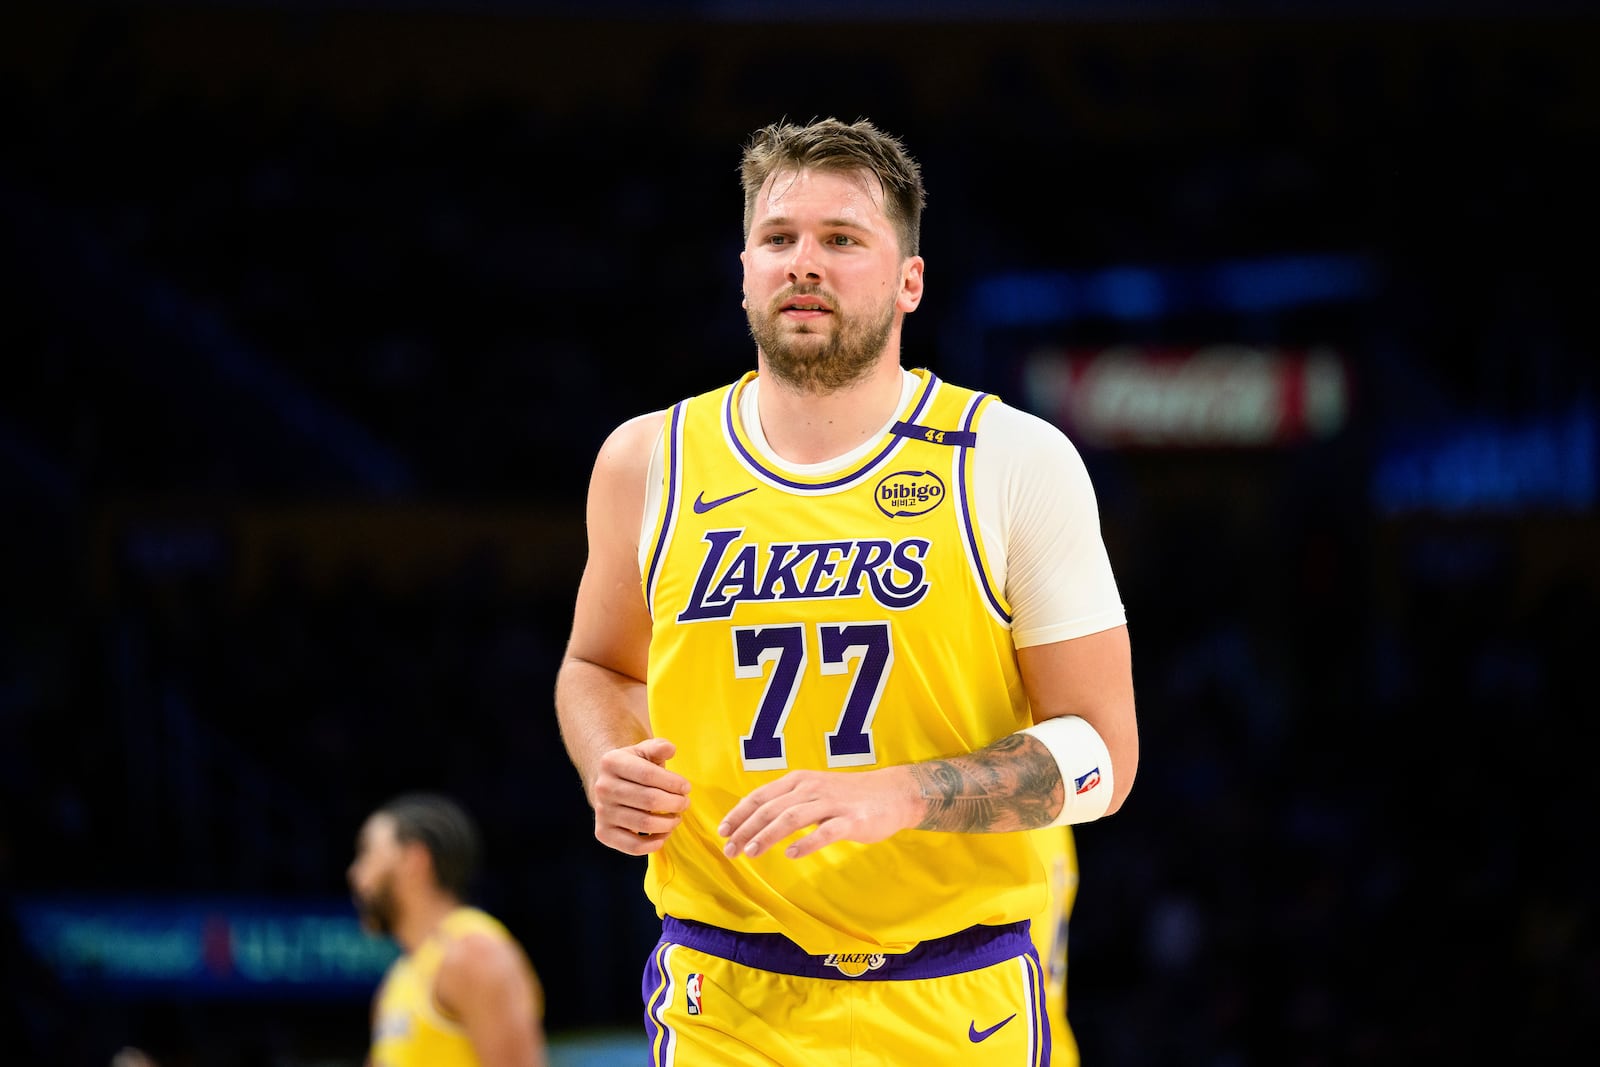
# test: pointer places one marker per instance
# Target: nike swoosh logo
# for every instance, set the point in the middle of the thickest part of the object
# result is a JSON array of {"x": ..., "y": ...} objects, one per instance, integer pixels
[
  {"x": 702, "y": 505},
  {"x": 975, "y": 1035}
]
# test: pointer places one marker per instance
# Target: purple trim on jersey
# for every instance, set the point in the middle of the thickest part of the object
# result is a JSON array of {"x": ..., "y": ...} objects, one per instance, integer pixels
[
  {"x": 971, "y": 949},
  {"x": 657, "y": 988},
  {"x": 731, "y": 406},
  {"x": 1041, "y": 1017},
  {"x": 675, "y": 428},
  {"x": 969, "y": 522}
]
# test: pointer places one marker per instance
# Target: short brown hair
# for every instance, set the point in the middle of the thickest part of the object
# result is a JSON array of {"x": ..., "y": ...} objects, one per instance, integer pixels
[{"x": 828, "y": 144}]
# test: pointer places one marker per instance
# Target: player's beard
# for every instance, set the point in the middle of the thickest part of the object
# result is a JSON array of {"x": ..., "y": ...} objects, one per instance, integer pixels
[
  {"x": 377, "y": 909},
  {"x": 824, "y": 357}
]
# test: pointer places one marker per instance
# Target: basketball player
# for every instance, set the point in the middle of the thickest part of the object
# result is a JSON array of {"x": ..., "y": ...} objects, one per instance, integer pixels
[
  {"x": 1058, "y": 849},
  {"x": 462, "y": 993},
  {"x": 842, "y": 627}
]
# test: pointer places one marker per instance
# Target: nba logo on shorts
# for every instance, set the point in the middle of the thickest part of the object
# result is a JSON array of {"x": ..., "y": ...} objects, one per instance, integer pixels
[{"x": 692, "y": 988}]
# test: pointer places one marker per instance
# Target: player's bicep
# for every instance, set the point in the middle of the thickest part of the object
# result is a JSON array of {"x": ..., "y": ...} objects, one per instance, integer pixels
[
  {"x": 490, "y": 988},
  {"x": 611, "y": 622}
]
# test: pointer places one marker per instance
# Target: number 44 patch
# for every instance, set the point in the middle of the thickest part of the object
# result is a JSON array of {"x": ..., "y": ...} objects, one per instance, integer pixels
[{"x": 692, "y": 991}]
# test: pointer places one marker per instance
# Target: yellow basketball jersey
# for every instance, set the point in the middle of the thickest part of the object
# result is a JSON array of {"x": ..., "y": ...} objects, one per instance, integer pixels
[
  {"x": 1058, "y": 849},
  {"x": 409, "y": 1030},
  {"x": 842, "y": 621}
]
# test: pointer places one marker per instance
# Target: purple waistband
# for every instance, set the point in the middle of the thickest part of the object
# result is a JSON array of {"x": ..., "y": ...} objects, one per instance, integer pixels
[{"x": 967, "y": 950}]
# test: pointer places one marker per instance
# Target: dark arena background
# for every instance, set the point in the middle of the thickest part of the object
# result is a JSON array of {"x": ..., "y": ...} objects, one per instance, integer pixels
[{"x": 318, "y": 313}]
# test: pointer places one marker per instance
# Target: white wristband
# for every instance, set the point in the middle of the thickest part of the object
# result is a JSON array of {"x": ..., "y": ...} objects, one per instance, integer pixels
[{"x": 1085, "y": 765}]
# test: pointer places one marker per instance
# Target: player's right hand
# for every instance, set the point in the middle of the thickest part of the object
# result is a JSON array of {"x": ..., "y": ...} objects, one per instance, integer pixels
[{"x": 637, "y": 801}]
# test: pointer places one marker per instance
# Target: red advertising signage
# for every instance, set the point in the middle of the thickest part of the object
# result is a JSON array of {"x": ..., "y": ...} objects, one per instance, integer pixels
[{"x": 1216, "y": 396}]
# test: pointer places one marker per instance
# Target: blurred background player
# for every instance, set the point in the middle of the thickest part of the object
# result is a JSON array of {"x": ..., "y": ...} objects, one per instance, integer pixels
[
  {"x": 1059, "y": 852},
  {"x": 463, "y": 992}
]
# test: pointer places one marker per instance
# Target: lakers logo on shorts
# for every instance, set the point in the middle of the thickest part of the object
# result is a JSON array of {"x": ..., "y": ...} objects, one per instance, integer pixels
[{"x": 854, "y": 964}]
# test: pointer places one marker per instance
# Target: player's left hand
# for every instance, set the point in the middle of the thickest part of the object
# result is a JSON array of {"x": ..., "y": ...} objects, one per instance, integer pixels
[{"x": 865, "y": 806}]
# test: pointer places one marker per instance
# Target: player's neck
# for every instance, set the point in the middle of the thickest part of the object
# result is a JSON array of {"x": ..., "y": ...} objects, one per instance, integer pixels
[
  {"x": 421, "y": 919},
  {"x": 805, "y": 427}
]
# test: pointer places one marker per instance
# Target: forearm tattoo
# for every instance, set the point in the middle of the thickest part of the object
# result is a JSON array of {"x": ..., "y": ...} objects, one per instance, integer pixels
[{"x": 1013, "y": 784}]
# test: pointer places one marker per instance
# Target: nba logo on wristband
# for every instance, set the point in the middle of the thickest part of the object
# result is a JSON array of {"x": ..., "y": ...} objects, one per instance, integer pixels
[
  {"x": 692, "y": 988},
  {"x": 1087, "y": 782}
]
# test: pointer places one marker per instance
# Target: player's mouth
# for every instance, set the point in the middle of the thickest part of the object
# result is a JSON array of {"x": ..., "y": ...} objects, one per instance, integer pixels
[{"x": 805, "y": 306}]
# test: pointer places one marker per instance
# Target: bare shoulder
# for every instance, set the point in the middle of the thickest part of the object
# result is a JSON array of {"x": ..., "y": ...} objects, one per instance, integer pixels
[
  {"x": 482, "y": 953},
  {"x": 617, "y": 484},
  {"x": 474, "y": 965},
  {"x": 630, "y": 445}
]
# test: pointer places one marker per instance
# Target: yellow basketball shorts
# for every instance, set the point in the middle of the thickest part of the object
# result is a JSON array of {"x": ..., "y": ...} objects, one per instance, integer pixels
[{"x": 716, "y": 997}]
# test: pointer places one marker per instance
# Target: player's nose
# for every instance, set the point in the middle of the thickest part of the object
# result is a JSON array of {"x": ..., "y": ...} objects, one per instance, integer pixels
[{"x": 804, "y": 263}]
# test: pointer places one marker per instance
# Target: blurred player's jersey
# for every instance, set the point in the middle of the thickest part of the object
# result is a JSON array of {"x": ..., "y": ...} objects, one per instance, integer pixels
[
  {"x": 1058, "y": 849},
  {"x": 408, "y": 1029},
  {"x": 840, "y": 620}
]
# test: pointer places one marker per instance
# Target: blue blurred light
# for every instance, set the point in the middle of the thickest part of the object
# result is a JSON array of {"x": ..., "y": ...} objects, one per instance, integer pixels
[
  {"x": 1492, "y": 466},
  {"x": 1135, "y": 292},
  {"x": 203, "y": 946},
  {"x": 1131, "y": 293},
  {"x": 1269, "y": 285}
]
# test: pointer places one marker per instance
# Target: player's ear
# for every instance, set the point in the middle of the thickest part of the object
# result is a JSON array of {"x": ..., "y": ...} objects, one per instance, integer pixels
[
  {"x": 910, "y": 284},
  {"x": 416, "y": 860}
]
